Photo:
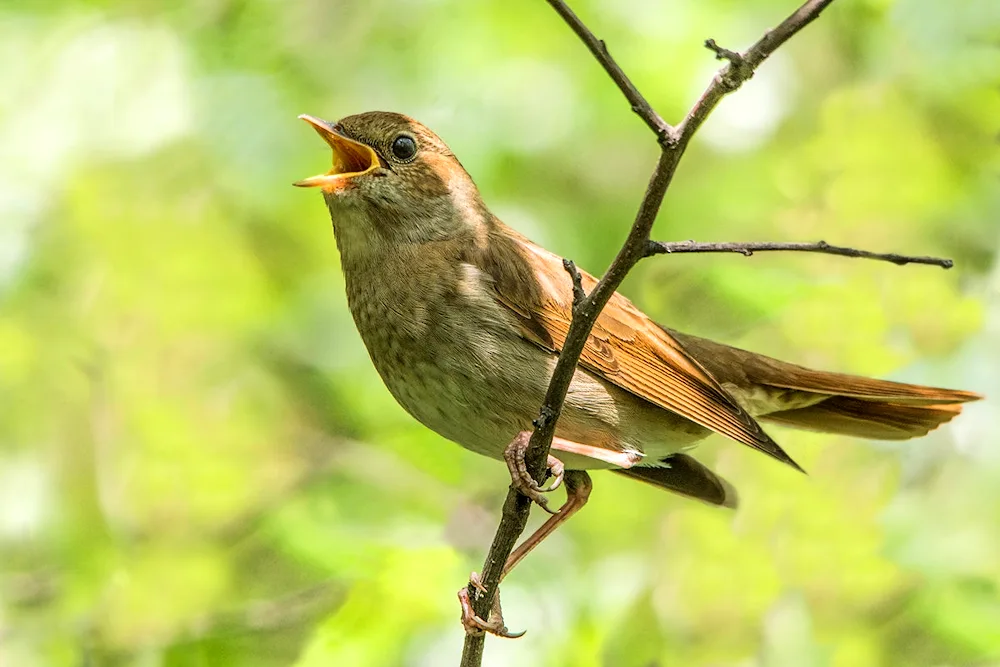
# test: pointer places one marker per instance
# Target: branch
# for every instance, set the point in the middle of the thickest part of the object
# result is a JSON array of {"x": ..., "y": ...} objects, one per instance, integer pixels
[
  {"x": 640, "y": 106},
  {"x": 748, "y": 249},
  {"x": 587, "y": 308},
  {"x": 741, "y": 67},
  {"x": 574, "y": 273}
]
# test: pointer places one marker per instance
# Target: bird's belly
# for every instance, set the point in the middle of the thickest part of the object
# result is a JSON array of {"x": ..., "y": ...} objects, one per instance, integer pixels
[
  {"x": 482, "y": 406},
  {"x": 479, "y": 384},
  {"x": 462, "y": 392}
]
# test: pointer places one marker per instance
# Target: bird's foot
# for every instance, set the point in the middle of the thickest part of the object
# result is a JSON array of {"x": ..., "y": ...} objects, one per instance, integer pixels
[
  {"x": 521, "y": 478},
  {"x": 473, "y": 624}
]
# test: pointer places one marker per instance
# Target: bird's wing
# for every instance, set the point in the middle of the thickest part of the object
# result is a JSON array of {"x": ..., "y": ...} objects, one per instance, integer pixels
[{"x": 625, "y": 347}]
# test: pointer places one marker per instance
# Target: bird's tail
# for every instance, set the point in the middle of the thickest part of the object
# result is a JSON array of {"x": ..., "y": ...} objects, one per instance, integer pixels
[
  {"x": 867, "y": 418},
  {"x": 800, "y": 397}
]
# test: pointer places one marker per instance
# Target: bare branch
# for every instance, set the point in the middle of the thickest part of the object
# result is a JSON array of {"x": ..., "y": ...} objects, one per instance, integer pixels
[
  {"x": 748, "y": 249},
  {"x": 587, "y": 308},
  {"x": 742, "y": 66},
  {"x": 640, "y": 106},
  {"x": 722, "y": 53}
]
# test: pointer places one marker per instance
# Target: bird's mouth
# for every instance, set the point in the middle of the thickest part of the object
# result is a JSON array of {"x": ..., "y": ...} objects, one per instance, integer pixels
[{"x": 350, "y": 158}]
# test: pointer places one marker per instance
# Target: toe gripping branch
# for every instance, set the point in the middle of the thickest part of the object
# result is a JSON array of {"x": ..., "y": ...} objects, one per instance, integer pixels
[
  {"x": 578, "y": 487},
  {"x": 473, "y": 624},
  {"x": 521, "y": 478}
]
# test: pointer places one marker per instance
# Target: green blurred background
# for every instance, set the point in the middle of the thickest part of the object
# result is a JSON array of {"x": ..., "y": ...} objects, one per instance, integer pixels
[{"x": 199, "y": 465}]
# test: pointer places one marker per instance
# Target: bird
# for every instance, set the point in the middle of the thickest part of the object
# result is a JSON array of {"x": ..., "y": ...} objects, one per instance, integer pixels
[{"x": 464, "y": 317}]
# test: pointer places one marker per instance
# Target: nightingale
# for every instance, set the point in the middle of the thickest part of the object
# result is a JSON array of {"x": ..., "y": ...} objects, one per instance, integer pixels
[{"x": 464, "y": 317}]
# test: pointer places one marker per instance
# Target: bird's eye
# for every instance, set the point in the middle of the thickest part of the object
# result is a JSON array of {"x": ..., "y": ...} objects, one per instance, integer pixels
[{"x": 404, "y": 147}]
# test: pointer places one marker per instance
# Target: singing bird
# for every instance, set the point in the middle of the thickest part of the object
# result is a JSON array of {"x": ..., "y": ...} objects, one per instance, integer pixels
[{"x": 463, "y": 318}]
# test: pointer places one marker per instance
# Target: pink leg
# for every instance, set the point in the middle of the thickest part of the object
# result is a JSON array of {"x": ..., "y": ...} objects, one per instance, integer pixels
[{"x": 578, "y": 487}]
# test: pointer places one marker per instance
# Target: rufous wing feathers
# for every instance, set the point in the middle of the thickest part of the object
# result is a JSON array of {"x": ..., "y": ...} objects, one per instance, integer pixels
[{"x": 625, "y": 348}]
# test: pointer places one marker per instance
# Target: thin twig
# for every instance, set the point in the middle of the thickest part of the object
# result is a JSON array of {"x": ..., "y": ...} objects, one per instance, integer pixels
[
  {"x": 640, "y": 106},
  {"x": 742, "y": 67},
  {"x": 722, "y": 53},
  {"x": 748, "y": 249},
  {"x": 673, "y": 141},
  {"x": 574, "y": 273}
]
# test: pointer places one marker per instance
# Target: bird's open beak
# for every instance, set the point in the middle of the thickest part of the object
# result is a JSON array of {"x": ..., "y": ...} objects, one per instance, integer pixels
[{"x": 350, "y": 158}]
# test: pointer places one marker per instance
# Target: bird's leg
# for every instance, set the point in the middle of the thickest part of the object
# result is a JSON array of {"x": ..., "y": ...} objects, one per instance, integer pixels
[
  {"x": 521, "y": 478},
  {"x": 578, "y": 487}
]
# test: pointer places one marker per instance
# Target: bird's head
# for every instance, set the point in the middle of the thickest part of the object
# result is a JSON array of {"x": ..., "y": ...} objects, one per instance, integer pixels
[{"x": 393, "y": 181}]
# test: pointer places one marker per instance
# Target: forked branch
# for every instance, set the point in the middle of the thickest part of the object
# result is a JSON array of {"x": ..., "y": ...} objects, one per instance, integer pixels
[{"x": 673, "y": 141}]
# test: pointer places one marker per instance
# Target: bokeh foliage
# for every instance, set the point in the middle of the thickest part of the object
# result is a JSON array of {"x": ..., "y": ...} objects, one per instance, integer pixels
[{"x": 199, "y": 466}]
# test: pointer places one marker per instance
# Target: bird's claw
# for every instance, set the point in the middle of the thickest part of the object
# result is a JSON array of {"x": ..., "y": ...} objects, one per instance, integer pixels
[
  {"x": 476, "y": 582},
  {"x": 521, "y": 478},
  {"x": 473, "y": 623}
]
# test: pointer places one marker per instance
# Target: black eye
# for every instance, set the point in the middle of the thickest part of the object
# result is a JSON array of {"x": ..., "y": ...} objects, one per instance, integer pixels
[{"x": 404, "y": 147}]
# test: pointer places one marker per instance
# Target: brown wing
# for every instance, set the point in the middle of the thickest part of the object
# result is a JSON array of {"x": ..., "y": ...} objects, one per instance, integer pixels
[{"x": 625, "y": 347}]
